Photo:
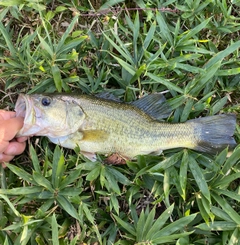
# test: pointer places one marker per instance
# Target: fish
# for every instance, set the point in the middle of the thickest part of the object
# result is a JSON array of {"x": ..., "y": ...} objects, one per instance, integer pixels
[{"x": 101, "y": 125}]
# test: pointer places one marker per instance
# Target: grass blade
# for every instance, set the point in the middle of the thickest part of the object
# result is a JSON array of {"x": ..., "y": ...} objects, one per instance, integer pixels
[
  {"x": 46, "y": 46},
  {"x": 164, "y": 29},
  {"x": 22, "y": 174},
  {"x": 225, "y": 180},
  {"x": 175, "y": 226},
  {"x": 159, "y": 223},
  {"x": 219, "y": 105},
  {"x": 170, "y": 238},
  {"x": 59, "y": 49},
  {"x": 140, "y": 226},
  {"x": 218, "y": 226},
  {"x": 232, "y": 160},
  {"x": 135, "y": 38},
  {"x": 227, "y": 208},
  {"x": 149, "y": 37},
  {"x": 189, "y": 34},
  {"x": 8, "y": 39},
  {"x": 73, "y": 176},
  {"x": 21, "y": 190},
  {"x": 183, "y": 173},
  {"x": 121, "y": 48},
  {"x": 166, "y": 83},
  {"x": 232, "y": 195},
  {"x": 42, "y": 181},
  {"x": 11, "y": 206},
  {"x": 222, "y": 54},
  {"x": 67, "y": 206},
  {"x": 187, "y": 110},
  {"x": 228, "y": 72},
  {"x": 125, "y": 65},
  {"x": 54, "y": 224},
  {"x": 166, "y": 163},
  {"x": 34, "y": 159},
  {"x": 235, "y": 237},
  {"x": 201, "y": 80},
  {"x": 57, "y": 78},
  {"x": 128, "y": 227},
  {"x": 199, "y": 178},
  {"x": 58, "y": 167}
]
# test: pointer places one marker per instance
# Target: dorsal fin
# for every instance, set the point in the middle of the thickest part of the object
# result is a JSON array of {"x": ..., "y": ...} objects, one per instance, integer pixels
[
  {"x": 107, "y": 96},
  {"x": 154, "y": 105}
]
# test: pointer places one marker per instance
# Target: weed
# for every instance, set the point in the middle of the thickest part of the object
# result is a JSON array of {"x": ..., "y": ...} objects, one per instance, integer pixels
[{"x": 188, "y": 50}]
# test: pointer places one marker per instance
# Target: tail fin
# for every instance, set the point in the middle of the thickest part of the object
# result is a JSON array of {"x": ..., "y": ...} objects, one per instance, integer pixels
[{"x": 215, "y": 133}]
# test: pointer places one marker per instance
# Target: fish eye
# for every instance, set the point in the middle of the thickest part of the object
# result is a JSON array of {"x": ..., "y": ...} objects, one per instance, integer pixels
[{"x": 46, "y": 101}]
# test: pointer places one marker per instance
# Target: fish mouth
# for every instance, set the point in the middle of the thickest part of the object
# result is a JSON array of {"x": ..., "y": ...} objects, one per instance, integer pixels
[
  {"x": 24, "y": 108},
  {"x": 21, "y": 106}
]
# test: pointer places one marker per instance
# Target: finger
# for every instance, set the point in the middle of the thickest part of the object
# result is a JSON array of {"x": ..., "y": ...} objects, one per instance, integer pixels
[
  {"x": 10, "y": 127},
  {"x": 5, "y": 115},
  {"x": 3, "y": 145},
  {"x": 22, "y": 139},
  {"x": 5, "y": 158},
  {"x": 15, "y": 148}
]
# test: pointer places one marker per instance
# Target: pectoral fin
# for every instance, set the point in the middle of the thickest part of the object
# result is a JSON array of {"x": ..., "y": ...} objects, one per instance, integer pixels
[{"x": 94, "y": 135}]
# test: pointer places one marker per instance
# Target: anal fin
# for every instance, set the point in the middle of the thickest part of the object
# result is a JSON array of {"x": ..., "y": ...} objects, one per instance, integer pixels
[{"x": 89, "y": 155}]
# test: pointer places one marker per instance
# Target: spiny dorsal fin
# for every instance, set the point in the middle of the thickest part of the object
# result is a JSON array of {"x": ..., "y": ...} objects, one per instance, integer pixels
[
  {"x": 154, "y": 105},
  {"x": 107, "y": 96}
]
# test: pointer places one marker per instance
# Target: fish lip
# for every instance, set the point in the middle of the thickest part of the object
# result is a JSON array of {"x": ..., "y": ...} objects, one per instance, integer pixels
[
  {"x": 21, "y": 106},
  {"x": 23, "y": 109}
]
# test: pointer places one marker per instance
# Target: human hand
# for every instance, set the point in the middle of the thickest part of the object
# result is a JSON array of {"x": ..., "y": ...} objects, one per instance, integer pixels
[{"x": 9, "y": 145}]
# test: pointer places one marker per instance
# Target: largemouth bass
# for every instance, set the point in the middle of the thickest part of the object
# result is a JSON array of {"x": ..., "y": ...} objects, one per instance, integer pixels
[{"x": 105, "y": 126}]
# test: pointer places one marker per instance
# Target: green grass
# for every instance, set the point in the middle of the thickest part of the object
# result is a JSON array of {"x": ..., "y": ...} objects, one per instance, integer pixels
[{"x": 55, "y": 196}]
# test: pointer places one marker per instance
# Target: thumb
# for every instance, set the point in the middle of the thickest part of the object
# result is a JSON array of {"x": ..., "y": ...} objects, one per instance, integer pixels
[{"x": 10, "y": 127}]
